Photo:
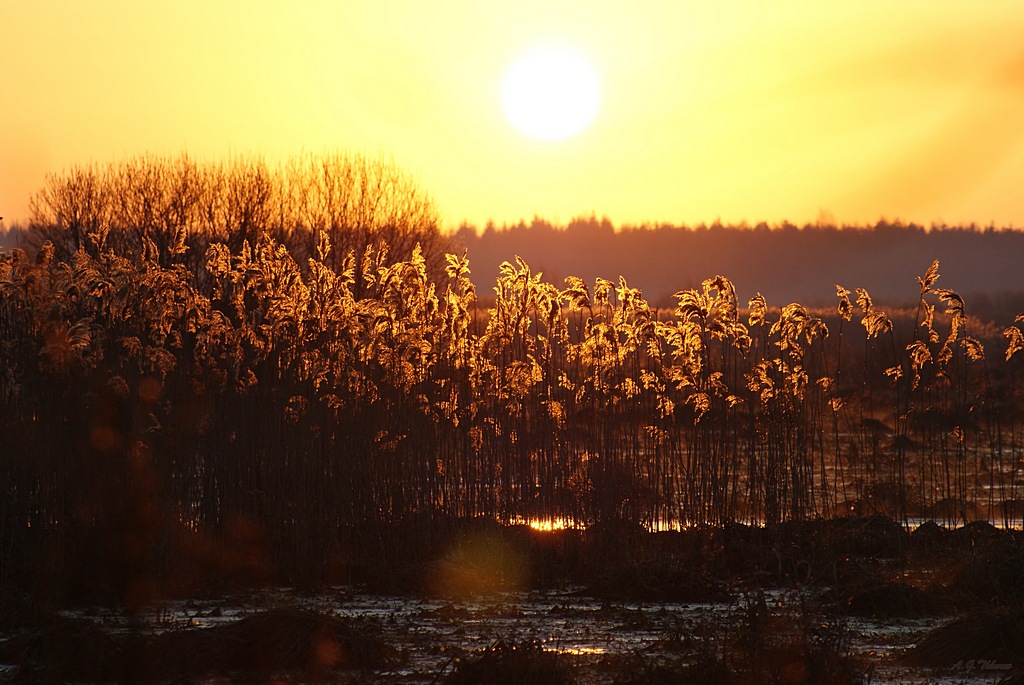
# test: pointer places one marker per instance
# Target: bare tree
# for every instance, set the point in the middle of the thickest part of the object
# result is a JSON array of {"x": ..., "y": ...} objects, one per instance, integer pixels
[
  {"x": 157, "y": 202},
  {"x": 360, "y": 202},
  {"x": 72, "y": 211},
  {"x": 175, "y": 207}
]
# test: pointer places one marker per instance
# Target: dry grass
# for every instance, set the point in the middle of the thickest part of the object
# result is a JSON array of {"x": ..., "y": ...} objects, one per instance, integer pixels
[{"x": 214, "y": 373}]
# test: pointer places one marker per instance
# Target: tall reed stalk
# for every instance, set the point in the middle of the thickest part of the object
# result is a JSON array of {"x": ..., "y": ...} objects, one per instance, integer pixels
[{"x": 265, "y": 406}]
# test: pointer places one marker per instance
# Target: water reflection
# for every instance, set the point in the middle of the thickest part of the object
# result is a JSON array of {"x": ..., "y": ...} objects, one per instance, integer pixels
[
  {"x": 545, "y": 525},
  {"x": 578, "y": 650},
  {"x": 431, "y": 632}
]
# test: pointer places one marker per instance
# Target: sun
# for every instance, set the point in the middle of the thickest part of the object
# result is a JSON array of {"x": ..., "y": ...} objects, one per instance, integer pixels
[{"x": 550, "y": 92}]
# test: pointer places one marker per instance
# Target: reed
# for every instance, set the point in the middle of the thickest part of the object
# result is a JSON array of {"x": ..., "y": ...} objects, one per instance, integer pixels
[{"x": 316, "y": 380}]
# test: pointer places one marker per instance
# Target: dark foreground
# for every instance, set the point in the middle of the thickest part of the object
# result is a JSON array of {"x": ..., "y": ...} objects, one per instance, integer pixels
[{"x": 844, "y": 601}]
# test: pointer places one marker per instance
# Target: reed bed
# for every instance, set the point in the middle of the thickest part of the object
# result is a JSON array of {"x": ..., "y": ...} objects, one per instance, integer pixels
[{"x": 323, "y": 375}]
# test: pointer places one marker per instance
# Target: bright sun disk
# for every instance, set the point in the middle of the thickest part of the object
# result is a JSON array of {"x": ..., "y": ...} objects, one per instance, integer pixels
[{"x": 550, "y": 93}]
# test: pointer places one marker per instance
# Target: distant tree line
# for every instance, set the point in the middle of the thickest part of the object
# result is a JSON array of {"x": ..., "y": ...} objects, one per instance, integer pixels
[{"x": 785, "y": 262}]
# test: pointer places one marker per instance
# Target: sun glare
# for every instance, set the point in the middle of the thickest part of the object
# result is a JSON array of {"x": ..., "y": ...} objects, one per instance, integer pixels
[
  {"x": 550, "y": 93},
  {"x": 548, "y": 525}
]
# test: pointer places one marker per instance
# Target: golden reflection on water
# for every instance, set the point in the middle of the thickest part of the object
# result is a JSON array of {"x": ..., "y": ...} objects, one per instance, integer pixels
[
  {"x": 581, "y": 650},
  {"x": 544, "y": 525},
  {"x": 550, "y": 525}
]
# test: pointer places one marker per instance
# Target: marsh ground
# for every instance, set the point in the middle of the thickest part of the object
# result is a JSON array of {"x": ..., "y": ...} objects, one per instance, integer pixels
[{"x": 857, "y": 601}]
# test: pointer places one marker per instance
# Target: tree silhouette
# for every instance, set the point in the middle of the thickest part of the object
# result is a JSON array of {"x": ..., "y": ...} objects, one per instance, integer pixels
[{"x": 172, "y": 209}]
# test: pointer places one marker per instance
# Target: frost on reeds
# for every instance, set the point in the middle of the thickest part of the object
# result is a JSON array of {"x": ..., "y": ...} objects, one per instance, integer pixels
[{"x": 285, "y": 399}]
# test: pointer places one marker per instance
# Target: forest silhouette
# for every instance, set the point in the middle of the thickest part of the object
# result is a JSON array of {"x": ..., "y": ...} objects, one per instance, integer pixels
[{"x": 786, "y": 263}]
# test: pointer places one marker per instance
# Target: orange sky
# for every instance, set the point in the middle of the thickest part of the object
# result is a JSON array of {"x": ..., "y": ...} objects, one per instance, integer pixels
[{"x": 734, "y": 110}]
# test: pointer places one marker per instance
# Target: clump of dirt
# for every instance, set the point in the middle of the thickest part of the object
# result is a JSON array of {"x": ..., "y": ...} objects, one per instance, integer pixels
[
  {"x": 515, "y": 663},
  {"x": 892, "y": 600},
  {"x": 765, "y": 644},
  {"x": 656, "y": 581},
  {"x": 790, "y": 644},
  {"x": 803, "y": 552},
  {"x": 288, "y": 639},
  {"x": 707, "y": 670},
  {"x": 266, "y": 643},
  {"x": 989, "y": 638},
  {"x": 993, "y": 573},
  {"x": 875, "y": 536},
  {"x": 60, "y": 649},
  {"x": 930, "y": 535},
  {"x": 970, "y": 568}
]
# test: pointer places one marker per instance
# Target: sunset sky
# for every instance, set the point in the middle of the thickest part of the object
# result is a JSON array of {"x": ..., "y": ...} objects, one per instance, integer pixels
[{"x": 738, "y": 110}]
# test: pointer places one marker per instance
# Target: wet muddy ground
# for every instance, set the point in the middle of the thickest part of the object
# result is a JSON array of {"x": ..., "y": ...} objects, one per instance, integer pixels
[
  {"x": 602, "y": 641},
  {"x": 855, "y": 601}
]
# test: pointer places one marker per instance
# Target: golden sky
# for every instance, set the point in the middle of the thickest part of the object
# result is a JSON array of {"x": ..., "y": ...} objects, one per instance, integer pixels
[{"x": 733, "y": 110}]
